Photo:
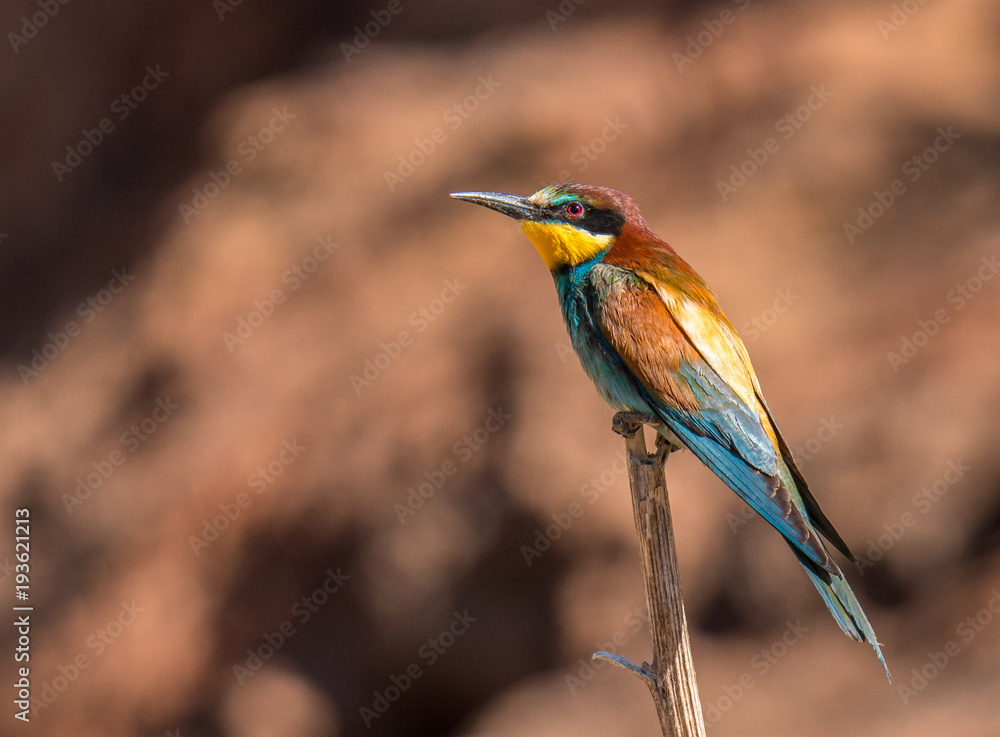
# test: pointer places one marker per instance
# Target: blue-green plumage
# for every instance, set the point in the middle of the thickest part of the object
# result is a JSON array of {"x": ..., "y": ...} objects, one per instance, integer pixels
[
  {"x": 723, "y": 433},
  {"x": 650, "y": 334}
]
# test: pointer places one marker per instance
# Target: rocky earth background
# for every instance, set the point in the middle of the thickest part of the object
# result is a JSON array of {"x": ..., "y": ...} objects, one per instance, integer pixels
[{"x": 302, "y": 443}]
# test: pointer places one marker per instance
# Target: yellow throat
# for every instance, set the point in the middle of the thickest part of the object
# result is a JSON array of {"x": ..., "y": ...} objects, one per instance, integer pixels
[{"x": 561, "y": 244}]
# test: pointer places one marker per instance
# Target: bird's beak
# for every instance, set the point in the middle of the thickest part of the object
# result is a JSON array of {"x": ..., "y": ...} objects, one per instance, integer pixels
[{"x": 511, "y": 205}]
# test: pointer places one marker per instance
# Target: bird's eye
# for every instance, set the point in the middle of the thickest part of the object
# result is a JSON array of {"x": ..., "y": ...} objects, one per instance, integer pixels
[{"x": 574, "y": 209}]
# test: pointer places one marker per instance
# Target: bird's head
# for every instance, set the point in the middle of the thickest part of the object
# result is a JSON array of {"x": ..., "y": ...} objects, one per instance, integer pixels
[{"x": 569, "y": 224}]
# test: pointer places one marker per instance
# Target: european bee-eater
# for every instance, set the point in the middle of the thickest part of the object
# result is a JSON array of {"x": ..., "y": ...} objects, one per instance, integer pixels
[{"x": 650, "y": 334}]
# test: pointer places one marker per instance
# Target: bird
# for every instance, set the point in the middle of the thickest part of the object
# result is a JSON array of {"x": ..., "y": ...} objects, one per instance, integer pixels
[{"x": 651, "y": 335}]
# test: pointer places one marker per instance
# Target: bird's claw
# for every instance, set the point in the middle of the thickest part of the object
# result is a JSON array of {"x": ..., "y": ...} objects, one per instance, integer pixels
[
  {"x": 629, "y": 423},
  {"x": 664, "y": 448}
]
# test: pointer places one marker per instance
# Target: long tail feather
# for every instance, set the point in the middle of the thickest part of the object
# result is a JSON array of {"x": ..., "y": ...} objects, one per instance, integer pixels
[{"x": 844, "y": 606}]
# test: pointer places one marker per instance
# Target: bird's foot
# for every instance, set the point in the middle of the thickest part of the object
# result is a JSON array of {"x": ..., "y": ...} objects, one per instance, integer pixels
[
  {"x": 629, "y": 423},
  {"x": 664, "y": 448}
]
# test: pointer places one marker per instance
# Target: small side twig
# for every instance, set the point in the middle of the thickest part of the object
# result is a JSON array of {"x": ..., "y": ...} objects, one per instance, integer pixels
[{"x": 670, "y": 678}]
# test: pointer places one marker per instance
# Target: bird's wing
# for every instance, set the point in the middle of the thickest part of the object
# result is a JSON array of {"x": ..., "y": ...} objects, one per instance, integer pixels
[
  {"x": 698, "y": 379},
  {"x": 715, "y": 339}
]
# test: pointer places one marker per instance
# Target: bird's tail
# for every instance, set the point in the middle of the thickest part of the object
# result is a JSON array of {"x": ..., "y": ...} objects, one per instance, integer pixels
[{"x": 844, "y": 606}]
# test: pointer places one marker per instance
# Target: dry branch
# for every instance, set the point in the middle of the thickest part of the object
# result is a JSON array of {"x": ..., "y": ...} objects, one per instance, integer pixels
[{"x": 671, "y": 677}]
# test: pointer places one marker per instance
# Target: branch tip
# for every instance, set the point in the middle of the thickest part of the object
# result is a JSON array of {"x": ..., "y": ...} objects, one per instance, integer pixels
[{"x": 621, "y": 661}]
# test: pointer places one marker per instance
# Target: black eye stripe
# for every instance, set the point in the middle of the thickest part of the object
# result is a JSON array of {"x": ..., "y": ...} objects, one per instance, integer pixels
[
  {"x": 600, "y": 222},
  {"x": 604, "y": 222}
]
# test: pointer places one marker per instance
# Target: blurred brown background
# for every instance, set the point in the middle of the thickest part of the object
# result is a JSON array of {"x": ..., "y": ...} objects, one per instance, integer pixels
[{"x": 291, "y": 424}]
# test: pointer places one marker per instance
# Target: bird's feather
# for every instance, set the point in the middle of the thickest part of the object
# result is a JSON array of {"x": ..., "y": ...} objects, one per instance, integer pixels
[
  {"x": 697, "y": 403},
  {"x": 844, "y": 606},
  {"x": 650, "y": 333},
  {"x": 665, "y": 354}
]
